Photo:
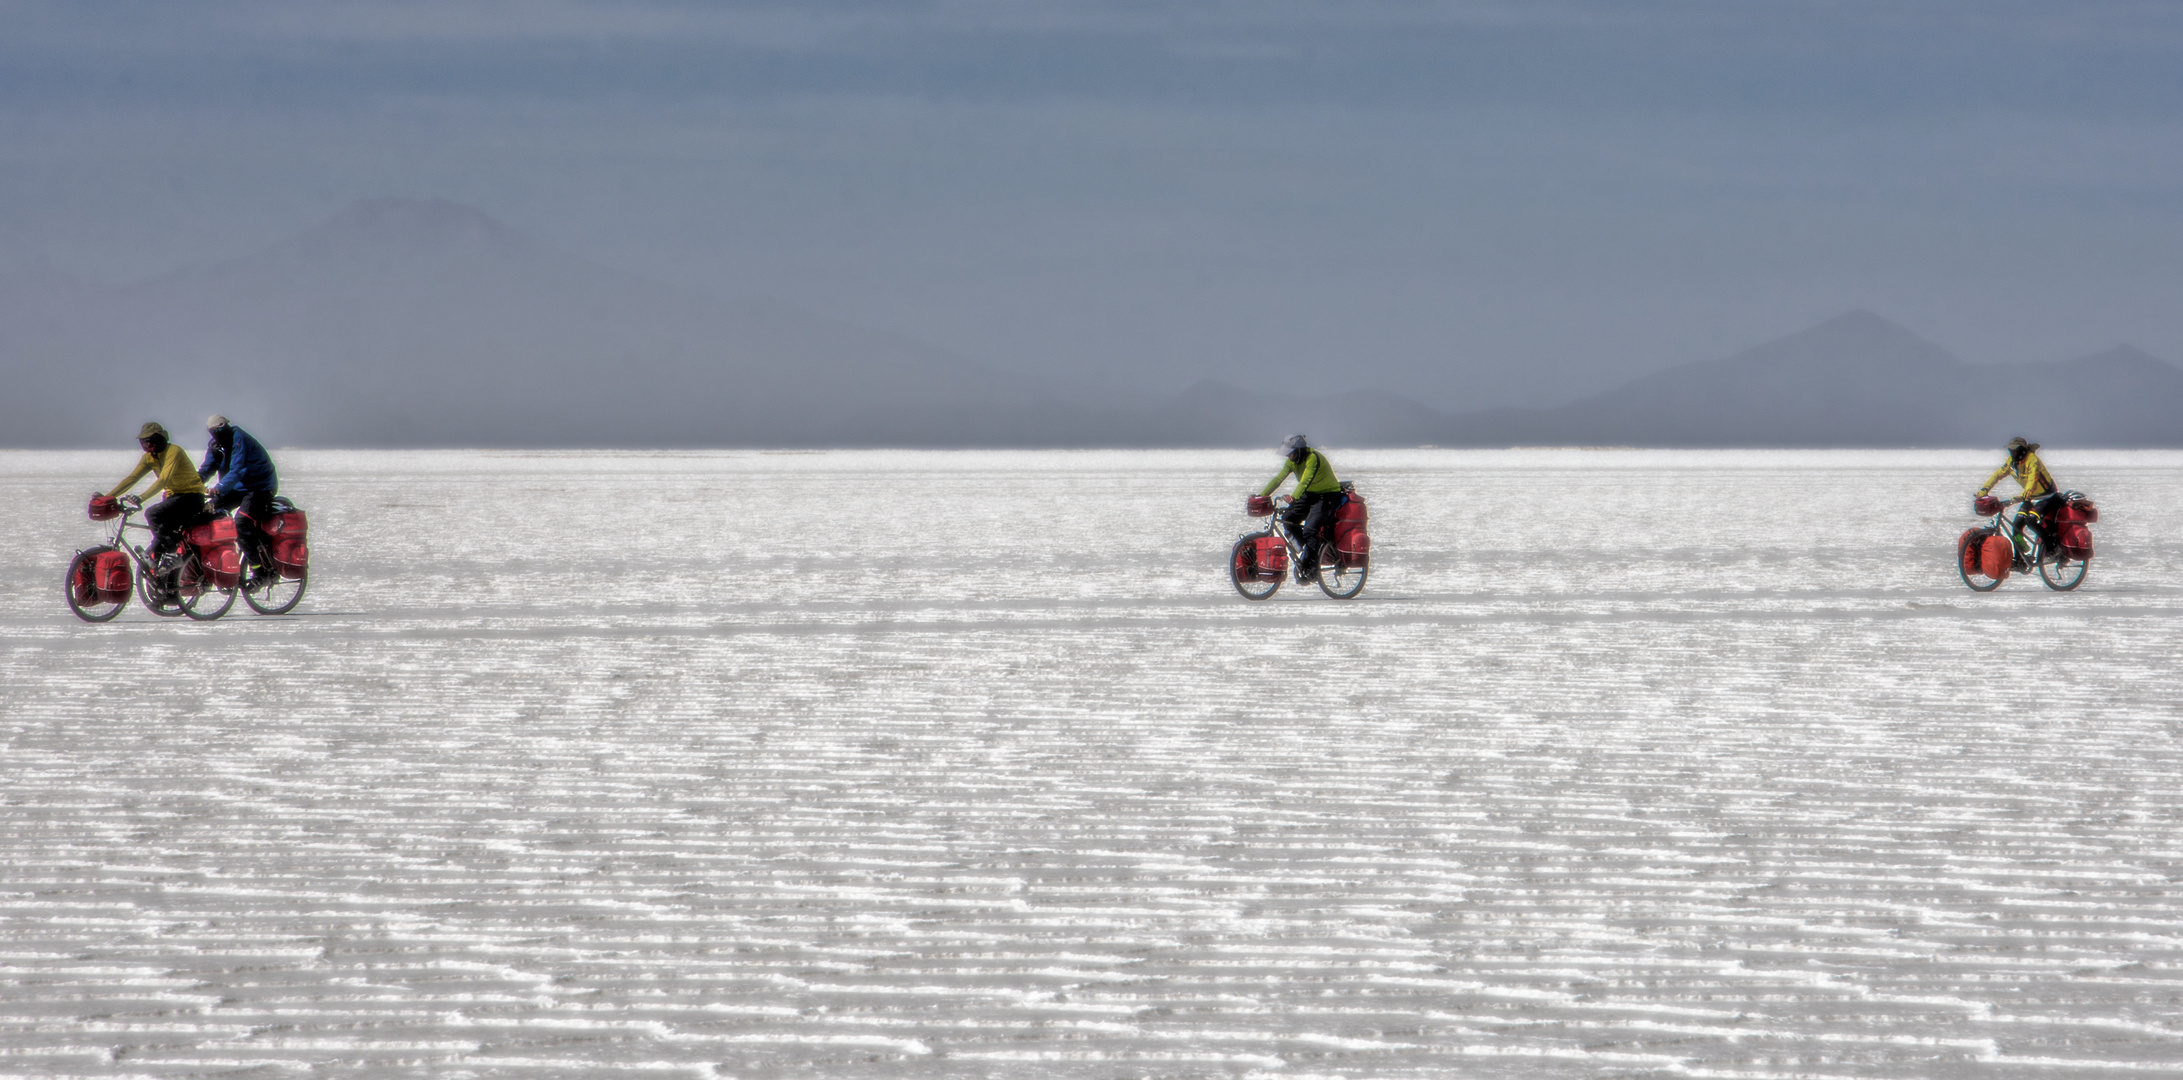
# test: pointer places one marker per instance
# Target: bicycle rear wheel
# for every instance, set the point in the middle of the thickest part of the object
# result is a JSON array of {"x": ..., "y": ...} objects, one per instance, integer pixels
[
  {"x": 1342, "y": 582},
  {"x": 272, "y": 594},
  {"x": 158, "y": 598},
  {"x": 2060, "y": 572}
]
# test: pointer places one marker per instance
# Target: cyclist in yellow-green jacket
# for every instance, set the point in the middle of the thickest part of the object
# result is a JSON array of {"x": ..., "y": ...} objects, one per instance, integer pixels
[
  {"x": 170, "y": 469},
  {"x": 1317, "y": 495},
  {"x": 2039, "y": 492}
]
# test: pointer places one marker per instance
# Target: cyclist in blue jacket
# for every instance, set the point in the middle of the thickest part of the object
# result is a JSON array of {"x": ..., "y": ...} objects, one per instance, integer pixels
[{"x": 246, "y": 481}]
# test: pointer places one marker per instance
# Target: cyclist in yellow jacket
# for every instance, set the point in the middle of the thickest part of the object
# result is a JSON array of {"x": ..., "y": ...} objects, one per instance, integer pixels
[
  {"x": 2038, "y": 492},
  {"x": 1317, "y": 495},
  {"x": 171, "y": 471}
]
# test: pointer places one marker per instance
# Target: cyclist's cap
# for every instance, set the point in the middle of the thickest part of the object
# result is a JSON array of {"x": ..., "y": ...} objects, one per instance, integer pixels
[
  {"x": 2018, "y": 443},
  {"x": 1294, "y": 443},
  {"x": 215, "y": 422},
  {"x": 150, "y": 429}
]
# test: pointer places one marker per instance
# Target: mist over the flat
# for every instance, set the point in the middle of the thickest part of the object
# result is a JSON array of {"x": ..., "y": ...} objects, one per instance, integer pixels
[{"x": 1101, "y": 224}]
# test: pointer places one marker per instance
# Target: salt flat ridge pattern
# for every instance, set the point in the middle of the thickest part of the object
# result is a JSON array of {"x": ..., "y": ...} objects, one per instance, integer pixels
[{"x": 1626, "y": 764}]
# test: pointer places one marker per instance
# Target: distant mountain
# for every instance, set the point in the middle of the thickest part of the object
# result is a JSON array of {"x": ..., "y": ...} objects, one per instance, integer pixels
[
  {"x": 426, "y": 323},
  {"x": 2118, "y": 398},
  {"x": 405, "y": 322},
  {"x": 1859, "y": 380},
  {"x": 1218, "y": 414}
]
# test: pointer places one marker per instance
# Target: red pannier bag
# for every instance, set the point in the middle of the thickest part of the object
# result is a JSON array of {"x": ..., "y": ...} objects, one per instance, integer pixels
[
  {"x": 1968, "y": 547},
  {"x": 104, "y": 509},
  {"x": 287, "y": 531},
  {"x": 83, "y": 582},
  {"x": 1273, "y": 558},
  {"x": 1353, "y": 546},
  {"x": 213, "y": 533},
  {"x": 2079, "y": 509},
  {"x": 1259, "y": 506},
  {"x": 1351, "y": 542},
  {"x": 112, "y": 576},
  {"x": 1995, "y": 557},
  {"x": 2077, "y": 540},
  {"x": 215, "y": 544}
]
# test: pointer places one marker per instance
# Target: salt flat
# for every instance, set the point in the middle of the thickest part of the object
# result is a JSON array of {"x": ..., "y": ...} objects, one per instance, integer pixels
[{"x": 971, "y": 764}]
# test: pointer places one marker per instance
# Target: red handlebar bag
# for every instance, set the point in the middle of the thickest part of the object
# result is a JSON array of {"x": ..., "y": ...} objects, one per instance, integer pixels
[
  {"x": 104, "y": 509},
  {"x": 1995, "y": 556},
  {"x": 1259, "y": 506},
  {"x": 1985, "y": 506}
]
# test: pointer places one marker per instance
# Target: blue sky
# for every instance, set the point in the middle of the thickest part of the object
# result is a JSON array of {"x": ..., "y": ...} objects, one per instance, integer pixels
[{"x": 1477, "y": 203}]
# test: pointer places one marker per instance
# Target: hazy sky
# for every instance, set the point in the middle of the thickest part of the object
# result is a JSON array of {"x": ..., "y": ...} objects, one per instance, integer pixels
[{"x": 1475, "y": 203}]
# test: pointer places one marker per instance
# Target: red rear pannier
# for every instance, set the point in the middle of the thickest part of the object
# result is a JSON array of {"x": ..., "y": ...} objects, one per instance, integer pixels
[
  {"x": 1259, "y": 506},
  {"x": 1995, "y": 556},
  {"x": 1353, "y": 546},
  {"x": 1351, "y": 542},
  {"x": 104, "y": 509},
  {"x": 214, "y": 533},
  {"x": 2079, "y": 509},
  {"x": 215, "y": 544},
  {"x": 112, "y": 576},
  {"x": 1273, "y": 558},
  {"x": 287, "y": 530},
  {"x": 2077, "y": 540}
]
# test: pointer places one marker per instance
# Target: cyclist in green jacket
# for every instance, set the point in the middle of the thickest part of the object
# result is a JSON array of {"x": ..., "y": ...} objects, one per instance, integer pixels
[{"x": 1317, "y": 495}]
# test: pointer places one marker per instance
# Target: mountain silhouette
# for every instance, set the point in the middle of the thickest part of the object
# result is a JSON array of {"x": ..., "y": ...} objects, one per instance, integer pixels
[
  {"x": 1859, "y": 380},
  {"x": 422, "y": 322},
  {"x": 405, "y": 322}
]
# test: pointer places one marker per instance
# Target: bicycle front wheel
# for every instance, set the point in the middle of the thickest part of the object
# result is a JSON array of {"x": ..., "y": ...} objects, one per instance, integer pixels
[
  {"x": 80, "y": 585},
  {"x": 200, "y": 599},
  {"x": 1966, "y": 567},
  {"x": 1243, "y": 571}
]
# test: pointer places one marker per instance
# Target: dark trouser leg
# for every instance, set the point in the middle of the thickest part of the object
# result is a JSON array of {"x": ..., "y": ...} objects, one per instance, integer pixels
[
  {"x": 255, "y": 506},
  {"x": 2039, "y": 530},
  {"x": 1316, "y": 516},
  {"x": 171, "y": 516}
]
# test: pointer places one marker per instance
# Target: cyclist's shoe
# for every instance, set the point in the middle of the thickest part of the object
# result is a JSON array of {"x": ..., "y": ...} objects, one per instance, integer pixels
[{"x": 167, "y": 563}]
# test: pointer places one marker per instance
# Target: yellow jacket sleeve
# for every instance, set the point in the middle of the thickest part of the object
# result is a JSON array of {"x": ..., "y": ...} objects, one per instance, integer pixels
[
  {"x": 171, "y": 472},
  {"x": 1287, "y": 467},
  {"x": 144, "y": 465}
]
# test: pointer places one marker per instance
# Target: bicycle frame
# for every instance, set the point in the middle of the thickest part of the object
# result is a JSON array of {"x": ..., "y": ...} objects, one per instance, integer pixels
[
  {"x": 1278, "y": 526},
  {"x": 120, "y": 542}
]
